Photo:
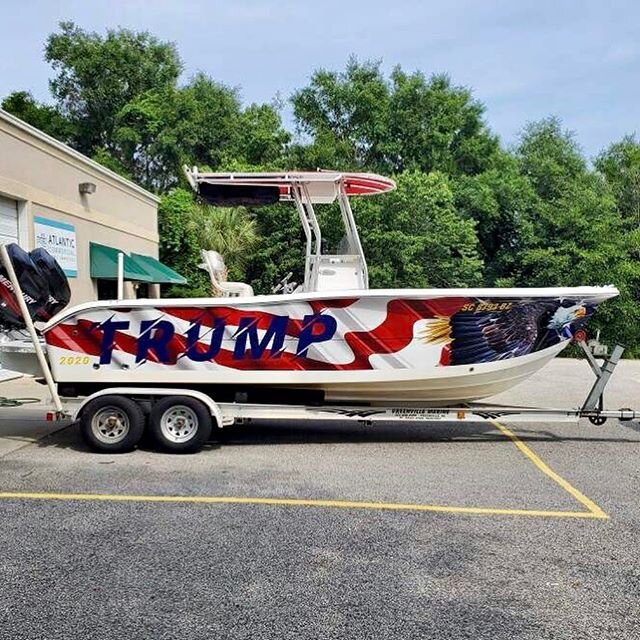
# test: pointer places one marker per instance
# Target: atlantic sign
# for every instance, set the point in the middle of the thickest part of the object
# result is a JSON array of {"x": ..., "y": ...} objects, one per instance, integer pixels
[{"x": 59, "y": 239}]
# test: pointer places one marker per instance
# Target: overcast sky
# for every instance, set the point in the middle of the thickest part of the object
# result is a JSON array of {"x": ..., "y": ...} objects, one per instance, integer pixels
[{"x": 579, "y": 60}]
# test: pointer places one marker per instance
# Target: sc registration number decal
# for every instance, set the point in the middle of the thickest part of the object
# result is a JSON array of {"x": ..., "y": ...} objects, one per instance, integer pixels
[{"x": 74, "y": 360}]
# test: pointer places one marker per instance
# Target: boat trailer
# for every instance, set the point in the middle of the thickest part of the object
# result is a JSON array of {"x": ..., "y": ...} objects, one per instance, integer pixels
[{"x": 181, "y": 420}]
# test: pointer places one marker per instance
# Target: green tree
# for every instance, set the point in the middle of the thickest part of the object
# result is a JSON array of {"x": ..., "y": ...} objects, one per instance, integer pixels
[
  {"x": 358, "y": 119},
  {"x": 179, "y": 243},
  {"x": 218, "y": 131},
  {"x": 280, "y": 249},
  {"x": 145, "y": 144},
  {"x": 576, "y": 228},
  {"x": 231, "y": 231},
  {"x": 96, "y": 77},
  {"x": 186, "y": 227},
  {"x": 117, "y": 100},
  {"x": 263, "y": 140},
  {"x": 579, "y": 236},
  {"x": 208, "y": 114},
  {"x": 550, "y": 158},
  {"x": 620, "y": 165},
  {"x": 436, "y": 126},
  {"x": 202, "y": 123},
  {"x": 346, "y": 115},
  {"x": 413, "y": 236},
  {"x": 42, "y": 116},
  {"x": 503, "y": 204}
]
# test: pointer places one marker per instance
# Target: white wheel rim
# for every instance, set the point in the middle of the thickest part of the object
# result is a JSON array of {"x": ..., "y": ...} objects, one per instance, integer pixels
[
  {"x": 179, "y": 423},
  {"x": 110, "y": 425}
]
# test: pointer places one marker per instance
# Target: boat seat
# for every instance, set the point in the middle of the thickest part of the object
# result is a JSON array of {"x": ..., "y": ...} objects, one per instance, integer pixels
[{"x": 213, "y": 264}]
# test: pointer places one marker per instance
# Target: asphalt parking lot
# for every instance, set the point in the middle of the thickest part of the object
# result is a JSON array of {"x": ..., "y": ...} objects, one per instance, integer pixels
[{"x": 308, "y": 531}]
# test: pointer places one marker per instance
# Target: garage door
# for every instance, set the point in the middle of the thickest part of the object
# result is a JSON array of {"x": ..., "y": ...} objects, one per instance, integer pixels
[{"x": 8, "y": 220}]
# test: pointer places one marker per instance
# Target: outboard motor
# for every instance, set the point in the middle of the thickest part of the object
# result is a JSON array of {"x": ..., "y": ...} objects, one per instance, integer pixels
[
  {"x": 35, "y": 285},
  {"x": 59, "y": 291}
]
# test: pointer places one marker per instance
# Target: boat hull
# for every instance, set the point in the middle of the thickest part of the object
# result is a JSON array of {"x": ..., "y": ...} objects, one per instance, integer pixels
[
  {"x": 448, "y": 387},
  {"x": 413, "y": 346}
]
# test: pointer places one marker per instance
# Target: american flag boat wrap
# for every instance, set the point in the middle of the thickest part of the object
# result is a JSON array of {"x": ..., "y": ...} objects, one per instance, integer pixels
[{"x": 422, "y": 345}]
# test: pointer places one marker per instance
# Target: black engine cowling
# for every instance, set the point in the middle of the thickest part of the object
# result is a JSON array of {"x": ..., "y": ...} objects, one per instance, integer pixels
[
  {"x": 44, "y": 286},
  {"x": 59, "y": 291}
]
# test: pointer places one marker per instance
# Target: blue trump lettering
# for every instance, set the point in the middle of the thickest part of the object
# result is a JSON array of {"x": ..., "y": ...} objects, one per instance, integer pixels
[
  {"x": 309, "y": 335},
  {"x": 247, "y": 330},
  {"x": 193, "y": 351},
  {"x": 156, "y": 335},
  {"x": 109, "y": 328}
]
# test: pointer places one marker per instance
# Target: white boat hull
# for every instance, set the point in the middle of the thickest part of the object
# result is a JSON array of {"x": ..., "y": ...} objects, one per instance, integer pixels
[
  {"x": 414, "y": 346},
  {"x": 446, "y": 387}
]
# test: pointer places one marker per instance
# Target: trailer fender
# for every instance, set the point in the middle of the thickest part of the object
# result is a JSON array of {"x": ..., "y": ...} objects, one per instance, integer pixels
[{"x": 133, "y": 392}]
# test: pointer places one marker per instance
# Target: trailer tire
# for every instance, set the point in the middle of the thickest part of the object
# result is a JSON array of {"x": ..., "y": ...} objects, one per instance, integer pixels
[
  {"x": 112, "y": 424},
  {"x": 180, "y": 424}
]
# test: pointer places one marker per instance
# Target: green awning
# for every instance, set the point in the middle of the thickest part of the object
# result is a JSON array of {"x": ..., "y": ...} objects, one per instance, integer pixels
[
  {"x": 159, "y": 273},
  {"x": 104, "y": 264}
]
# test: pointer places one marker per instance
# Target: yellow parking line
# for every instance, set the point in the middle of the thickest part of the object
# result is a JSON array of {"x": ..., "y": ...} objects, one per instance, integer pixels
[
  {"x": 339, "y": 504},
  {"x": 593, "y": 510},
  {"x": 592, "y": 507}
]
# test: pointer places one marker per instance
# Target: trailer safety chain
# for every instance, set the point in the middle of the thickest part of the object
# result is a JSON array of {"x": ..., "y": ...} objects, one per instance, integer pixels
[{"x": 16, "y": 402}]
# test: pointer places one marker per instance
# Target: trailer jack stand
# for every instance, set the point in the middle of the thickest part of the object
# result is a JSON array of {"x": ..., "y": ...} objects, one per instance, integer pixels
[{"x": 594, "y": 404}]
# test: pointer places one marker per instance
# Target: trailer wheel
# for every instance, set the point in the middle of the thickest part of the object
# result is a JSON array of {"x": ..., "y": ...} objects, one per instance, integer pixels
[
  {"x": 112, "y": 424},
  {"x": 180, "y": 424}
]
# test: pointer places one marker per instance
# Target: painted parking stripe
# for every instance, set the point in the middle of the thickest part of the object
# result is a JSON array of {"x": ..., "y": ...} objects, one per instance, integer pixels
[
  {"x": 543, "y": 467},
  {"x": 334, "y": 504},
  {"x": 593, "y": 510}
]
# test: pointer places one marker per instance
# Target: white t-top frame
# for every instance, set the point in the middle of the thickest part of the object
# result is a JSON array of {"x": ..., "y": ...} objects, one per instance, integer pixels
[{"x": 322, "y": 272}]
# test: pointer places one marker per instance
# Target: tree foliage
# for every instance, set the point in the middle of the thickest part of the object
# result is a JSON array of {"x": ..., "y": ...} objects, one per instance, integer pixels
[
  {"x": 187, "y": 227},
  {"x": 358, "y": 119},
  {"x": 620, "y": 165},
  {"x": 414, "y": 236},
  {"x": 42, "y": 116},
  {"x": 95, "y": 77},
  {"x": 179, "y": 246},
  {"x": 117, "y": 98},
  {"x": 280, "y": 249},
  {"x": 231, "y": 231},
  {"x": 503, "y": 203},
  {"x": 578, "y": 232}
]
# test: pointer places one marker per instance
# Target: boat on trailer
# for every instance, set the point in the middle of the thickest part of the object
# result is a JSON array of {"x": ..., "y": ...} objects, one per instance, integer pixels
[
  {"x": 329, "y": 338},
  {"x": 328, "y": 349}
]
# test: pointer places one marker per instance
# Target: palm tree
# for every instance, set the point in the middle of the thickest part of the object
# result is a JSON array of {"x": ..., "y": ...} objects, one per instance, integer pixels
[{"x": 230, "y": 231}]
